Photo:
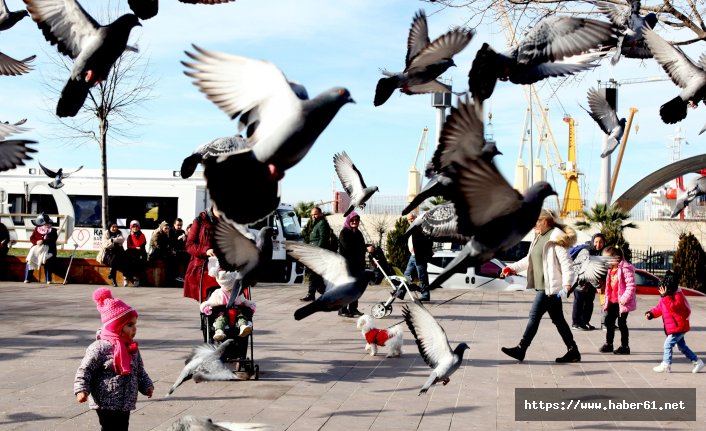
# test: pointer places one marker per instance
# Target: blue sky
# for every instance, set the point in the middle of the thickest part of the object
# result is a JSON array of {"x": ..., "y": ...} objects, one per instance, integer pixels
[{"x": 322, "y": 44}]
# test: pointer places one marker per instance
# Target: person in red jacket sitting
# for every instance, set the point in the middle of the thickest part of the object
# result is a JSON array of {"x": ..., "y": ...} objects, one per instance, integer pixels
[
  {"x": 135, "y": 255},
  {"x": 675, "y": 311}
]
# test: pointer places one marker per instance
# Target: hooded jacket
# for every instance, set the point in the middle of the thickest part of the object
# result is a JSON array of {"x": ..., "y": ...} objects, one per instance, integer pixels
[
  {"x": 627, "y": 291},
  {"x": 557, "y": 263},
  {"x": 675, "y": 312}
]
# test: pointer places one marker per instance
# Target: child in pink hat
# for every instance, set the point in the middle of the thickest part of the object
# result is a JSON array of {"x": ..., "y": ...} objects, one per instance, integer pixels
[{"x": 112, "y": 371}]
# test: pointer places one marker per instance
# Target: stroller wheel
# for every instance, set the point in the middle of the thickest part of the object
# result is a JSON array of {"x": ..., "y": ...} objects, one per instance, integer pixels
[{"x": 379, "y": 310}]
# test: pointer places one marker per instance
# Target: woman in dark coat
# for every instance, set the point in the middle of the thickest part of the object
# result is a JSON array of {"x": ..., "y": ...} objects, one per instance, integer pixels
[
  {"x": 199, "y": 244},
  {"x": 351, "y": 245}
]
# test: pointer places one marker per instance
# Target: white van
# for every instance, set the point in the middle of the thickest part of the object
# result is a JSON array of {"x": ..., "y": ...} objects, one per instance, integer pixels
[{"x": 286, "y": 227}]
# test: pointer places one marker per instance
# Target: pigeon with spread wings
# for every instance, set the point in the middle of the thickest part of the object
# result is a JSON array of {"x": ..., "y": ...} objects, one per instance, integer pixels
[
  {"x": 352, "y": 182},
  {"x": 58, "y": 176},
  {"x": 696, "y": 189},
  {"x": 630, "y": 23},
  {"x": 204, "y": 364},
  {"x": 425, "y": 61},
  {"x": 13, "y": 152},
  {"x": 94, "y": 48},
  {"x": 590, "y": 269},
  {"x": 433, "y": 344},
  {"x": 607, "y": 119}
]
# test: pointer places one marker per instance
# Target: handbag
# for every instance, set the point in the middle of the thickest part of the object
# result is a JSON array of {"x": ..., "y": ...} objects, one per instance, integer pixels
[{"x": 105, "y": 257}]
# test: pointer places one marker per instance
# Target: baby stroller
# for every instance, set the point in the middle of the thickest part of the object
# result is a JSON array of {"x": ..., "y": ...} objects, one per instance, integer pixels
[
  {"x": 399, "y": 287},
  {"x": 237, "y": 352}
]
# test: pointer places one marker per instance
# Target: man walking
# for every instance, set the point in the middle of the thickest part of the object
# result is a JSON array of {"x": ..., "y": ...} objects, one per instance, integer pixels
[
  {"x": 585, "y": 293},
  {"x": 420, "y": 248},
  {"x": 319, "y": 236}
]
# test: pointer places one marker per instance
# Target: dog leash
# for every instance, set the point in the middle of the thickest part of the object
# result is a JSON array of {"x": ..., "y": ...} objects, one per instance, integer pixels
[{"x": 435, "y": 305}]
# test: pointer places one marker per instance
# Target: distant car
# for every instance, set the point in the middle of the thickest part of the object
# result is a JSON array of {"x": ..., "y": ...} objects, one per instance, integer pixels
[
  {"x": 484, "y": 276},
  {"x": 648, "y": 284}
]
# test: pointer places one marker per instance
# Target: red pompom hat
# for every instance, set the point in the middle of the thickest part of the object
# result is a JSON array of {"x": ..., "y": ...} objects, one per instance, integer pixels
[{"x": 114, "y": 312}]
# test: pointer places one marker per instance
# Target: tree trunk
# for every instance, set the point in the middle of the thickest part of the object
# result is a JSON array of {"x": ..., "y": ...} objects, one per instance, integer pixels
[{"x": 103, "y": 128}]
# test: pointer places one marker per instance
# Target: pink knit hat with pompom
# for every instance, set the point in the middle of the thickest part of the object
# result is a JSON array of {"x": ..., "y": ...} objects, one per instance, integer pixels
[{"x": 114, "y": 312}]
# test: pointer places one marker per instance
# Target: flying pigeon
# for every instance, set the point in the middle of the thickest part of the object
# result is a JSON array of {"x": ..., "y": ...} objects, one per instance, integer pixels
[
  {"x": 687, "y": 75},
  {"x": 352, "y": 182},
  {"x": 342, "y": 287},
  {"x": 281, "y": 126},
  {"x": 425, "y": 61},
  {"x": 13, "y": 152},
  {"x": 238, "y": 250},
  {"x": 696, "y": 189},
  {"x": 433, "y": 344},
  {"x": 204, "y": 365},
  {"x": 9, "y": 19},
  {"x": 556, "y": 46},
  {"x": 58, "y": 176},
  {"x": 439, "y": 224},
  {"x": 213, "y": 148},
  {"x": 604, "y": 115},
  {"x": 93, "y": 47},
  {"x": 630, "y": 23},
  {"x": 590, "y": 269},
  {"x": 11, "y": 67}
]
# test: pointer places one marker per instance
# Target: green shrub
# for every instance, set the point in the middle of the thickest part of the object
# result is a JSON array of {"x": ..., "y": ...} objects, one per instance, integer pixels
[
  {"x": 397, "y": 253},
  {"x": 690, "y": 263}
]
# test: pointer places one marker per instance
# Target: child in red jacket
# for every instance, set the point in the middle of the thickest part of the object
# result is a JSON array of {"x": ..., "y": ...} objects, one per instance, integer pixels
[{"x": 675, "y": 311}]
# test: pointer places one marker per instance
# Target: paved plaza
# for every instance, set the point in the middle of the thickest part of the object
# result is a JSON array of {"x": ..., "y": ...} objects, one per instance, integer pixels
[{"x": 314, "y": 374}]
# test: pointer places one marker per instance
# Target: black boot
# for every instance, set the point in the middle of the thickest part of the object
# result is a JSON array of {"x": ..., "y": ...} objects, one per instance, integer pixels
[
  {"x": 572, "y": 355},
  {"x": 517, "y": 352},
  {"x": 114, "y": 282}
]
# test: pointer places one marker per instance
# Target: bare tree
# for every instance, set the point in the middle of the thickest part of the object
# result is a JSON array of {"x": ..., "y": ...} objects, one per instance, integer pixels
[
  {"x": 380, "y": 224},
  {"x": 109, "y": 109},
  {"x": 520, "y": 14}
]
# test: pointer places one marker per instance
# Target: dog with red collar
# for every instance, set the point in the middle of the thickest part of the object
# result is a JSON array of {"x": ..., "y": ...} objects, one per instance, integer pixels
[{"x": 392, "y": 337}]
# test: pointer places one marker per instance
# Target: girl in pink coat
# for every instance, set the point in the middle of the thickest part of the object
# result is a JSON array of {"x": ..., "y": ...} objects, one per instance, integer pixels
[
  {"x": 619, "y": 301},
  {"x": 675, "y": 311}
]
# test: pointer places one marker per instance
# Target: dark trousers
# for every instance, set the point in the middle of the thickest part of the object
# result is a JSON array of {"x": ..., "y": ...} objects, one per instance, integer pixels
[
  {"x": 316, "y": 283},
  {"x": 613, "y": 314},
  {"x": 350, "y": 308},
  {"x": 113, "y": 420},
  {"x": 583, "y": 306},
  {"x": 547, "y": 304}
]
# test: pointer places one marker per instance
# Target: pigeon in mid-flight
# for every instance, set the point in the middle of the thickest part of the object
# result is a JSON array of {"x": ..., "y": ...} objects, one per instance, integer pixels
[
  {"x": 425, "y": 61},
  {"x": 239, "y": 250},
  {"x": 58, "y": 176},
  {"x": 687, "y": 75},
  {"x": 352, "y": 182},
  {"x": 604, "y": 115},
  {"x": 556, "y": 46},
  {"x": 590, "y": 269},
  {"x": 204, "y": 364},
  {"x": 9, "y": 18},
  {"x": 439, "y": 224},
  {"x": 630, "y": 23},
  {"x": 210, "y": 149},
  {"x": 342, "y": 287},
  {"x": 696, "y": 189},
  {"x": 93, "y": 47},
  {"x": 11, "y": 67},
  {"x": 433, "y": 344},
  {"x": 281, "y": 124},
  {"x": 13, "y": 152}
]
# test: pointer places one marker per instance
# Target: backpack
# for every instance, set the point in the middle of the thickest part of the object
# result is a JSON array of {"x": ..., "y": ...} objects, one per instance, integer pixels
[{"x": 575, "y": 250}]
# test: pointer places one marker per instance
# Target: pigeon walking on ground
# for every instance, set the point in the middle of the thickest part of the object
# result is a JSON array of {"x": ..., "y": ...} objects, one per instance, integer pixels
[
  {"x": 696, "y": 189},
  {"x": 204, "y": 364},
  {"x": 58, "y": 176},
  {"x": 556, "y": 46},
  {"x": 433, "y": 344},
  {"x": 93, "y": 47},
  {"x": 199, "y": 423},
  {"x": 9, "y": 18},
  {"x": 13, "y": 152},
  {"x": 211, "y": 149},
  {"x": 239, "y": 250},
  {"x": 11, "y": 67},
  {"x": 687, "y": 75},
  {"x": 604, "y": 115},
  {"x": 342, "y": 287},
  {"x": 352, "y": 182},
  {"x": 280, "y": 122},
  {"x": 630, "y": 23},
  {"x": 425, "y": 61}
]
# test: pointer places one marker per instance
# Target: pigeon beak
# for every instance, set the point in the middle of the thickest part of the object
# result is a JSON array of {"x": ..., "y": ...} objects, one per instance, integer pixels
[{"x": 350, "y": 100}]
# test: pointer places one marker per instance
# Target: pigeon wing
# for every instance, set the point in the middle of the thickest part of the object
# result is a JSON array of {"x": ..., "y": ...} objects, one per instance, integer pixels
[
  {"x": 67, "y": 174},
  {"x": 48, "y": 172},
  {"x": 255, "y": 89},
  {"x": 64, "y": 24},
  {"x": 418, "y": 36},
  {"x": 441, "y": 224},
  {"x": 11, "y": 67},
  {"x": 14, "y": 152},
  {"x": 235, "y": 245},
  {"x": 10, "y": 129},
  {"x": 434, "y": 86},
  {"x": 461, "y": 137},
  {"x": 601, "y": 111},
  {"x": 332, "y": 267},
  {"x": 4, "y": 11},
  {"x": 593, "y": 269},
  {"x": 532, "y": 74},
  {"x": 678, "y": 66},
  {"x": 445, "y": 46},
  {"x": 350, "y": 176},
  {"x": 429, "y": 335},
  {"x": 616, "y": 14}
]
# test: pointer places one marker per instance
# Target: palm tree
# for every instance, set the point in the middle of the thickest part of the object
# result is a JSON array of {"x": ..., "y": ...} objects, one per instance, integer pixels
[
  {"x": 432, "y": 202},
  {"x": 303, "y": 209},
  {"x": 611, "y": 222}
]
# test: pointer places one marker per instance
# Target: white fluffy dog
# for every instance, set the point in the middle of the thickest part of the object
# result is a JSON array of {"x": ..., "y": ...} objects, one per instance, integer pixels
[{"x": 392, "y": 337}]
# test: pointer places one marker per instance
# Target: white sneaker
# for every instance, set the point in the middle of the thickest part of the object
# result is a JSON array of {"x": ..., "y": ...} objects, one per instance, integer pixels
[
  {"x": 698, "y": 365},
  {"x": 125, "y": 283},
  {"x": 48, "y": 282},
  {"x": 219, "y": 335},
  {"x": 246, "y": 329},
  {"x": 663, "y": 368}
]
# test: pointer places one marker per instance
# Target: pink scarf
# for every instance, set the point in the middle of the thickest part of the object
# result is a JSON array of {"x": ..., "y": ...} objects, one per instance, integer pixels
[{"x": 122, "y": 351}]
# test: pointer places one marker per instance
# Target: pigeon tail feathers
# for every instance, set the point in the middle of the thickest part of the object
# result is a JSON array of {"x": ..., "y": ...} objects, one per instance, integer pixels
[
  {"x": 72, "y": 97},
  {"x": 673, "y": 111},
  {"x": 307, "y": 310},
  {"x": 428, "y": 384},
  {"x": 385, "y": 88},
  {"x": 350, "y": 209}
]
